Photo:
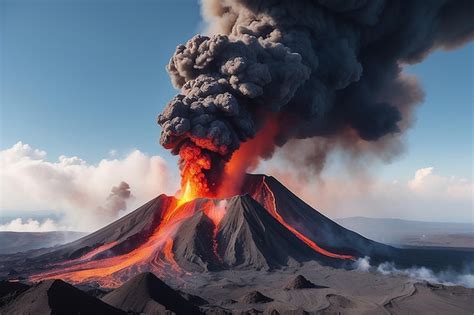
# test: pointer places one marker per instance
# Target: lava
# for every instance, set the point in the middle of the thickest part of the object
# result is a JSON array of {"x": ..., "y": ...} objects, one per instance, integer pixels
[
  {"x": 247, "y": 157},
  {"x": 156, "y": 253},
  {"x": 159, "y": 244},
  {"x": 187, "y": 195},
  {"x": 272, "y": 208},
  {"x": 216, "y": 214}
]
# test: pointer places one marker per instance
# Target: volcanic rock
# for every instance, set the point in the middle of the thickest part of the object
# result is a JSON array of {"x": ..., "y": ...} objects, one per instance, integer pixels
[
  {"x": 10, "y": 290},
  {"x": 300, "y": 282},
  {"x": 228, "y": 301},
  {"x": 193, "y": 248},
  {"x": 193, "y": 299},
  {"x": 270, "y": 193},
  {"x": 145, "y": 293},
  {"x": 124, "y": 234},
  {"x": 255, "y": 297},
  {"x": 298, "y": 311},
  {"x": 56, "y": 297},
  {"x": 249, "y": 236}
]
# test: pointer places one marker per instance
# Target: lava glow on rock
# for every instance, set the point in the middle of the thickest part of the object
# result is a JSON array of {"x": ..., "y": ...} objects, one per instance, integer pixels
[{"x": 156, "y": 253}]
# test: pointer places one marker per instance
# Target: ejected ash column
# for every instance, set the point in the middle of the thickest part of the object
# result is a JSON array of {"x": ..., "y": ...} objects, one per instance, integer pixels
[{"x": 322, "y": 69}]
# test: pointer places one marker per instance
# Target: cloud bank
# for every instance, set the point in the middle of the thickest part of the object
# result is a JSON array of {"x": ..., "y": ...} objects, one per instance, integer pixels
[
  {"x": 80, "y": 192},
  {"x": 77, "y": 189},
  {"x": 30, "y": 225},
  {"x": 427, "y": 196}
]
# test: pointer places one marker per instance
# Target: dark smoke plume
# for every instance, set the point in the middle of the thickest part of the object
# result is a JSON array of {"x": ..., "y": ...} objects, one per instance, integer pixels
[
  {"x": 329, "y": 69},
  {"x": 116, "y": 201}
]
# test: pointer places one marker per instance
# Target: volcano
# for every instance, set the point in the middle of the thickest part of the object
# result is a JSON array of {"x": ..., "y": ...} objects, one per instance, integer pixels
[{"x": 266, "y": 227}]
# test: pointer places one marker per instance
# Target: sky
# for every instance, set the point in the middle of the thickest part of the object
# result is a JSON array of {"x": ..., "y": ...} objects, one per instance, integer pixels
[{"x": 83, "y": 81}]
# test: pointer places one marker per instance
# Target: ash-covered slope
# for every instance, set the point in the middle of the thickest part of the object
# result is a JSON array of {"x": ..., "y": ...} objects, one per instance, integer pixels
[
  {"x": 273, "y": 196},
  {"x": 57, "y": 297},
  {"x": 118, "y": 237},
  {"x": 247, "y": 236}
]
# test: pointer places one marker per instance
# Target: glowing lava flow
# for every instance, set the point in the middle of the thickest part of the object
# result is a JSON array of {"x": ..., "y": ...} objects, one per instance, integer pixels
[
  {"x": 155, "y": 252},
  {"x": 274, "y": 212},
  {"x": 187, "y": 195}
]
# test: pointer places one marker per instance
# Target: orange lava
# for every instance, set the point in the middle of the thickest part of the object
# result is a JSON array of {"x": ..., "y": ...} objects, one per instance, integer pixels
[
  {"x": 187, "y": 194},
  {"x": 159, "y": 244},
  {"x": 156, "y": 252},
  {"x": 274, "y": 212},
  {"x": 247, "y": 158},
  {"x": 92, "y": 253},
  {"x": 169, "y": 256},
  {"x": 216, "y": 214}
]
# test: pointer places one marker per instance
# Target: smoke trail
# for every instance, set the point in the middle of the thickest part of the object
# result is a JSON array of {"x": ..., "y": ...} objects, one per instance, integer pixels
[
  {"x": 328, "y": 70},
  {"x": 116, "y": 201}
]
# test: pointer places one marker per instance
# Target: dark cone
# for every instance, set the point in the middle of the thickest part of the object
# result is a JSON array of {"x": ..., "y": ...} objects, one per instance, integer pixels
[
  {"x": 300, "y": 282},
  {"x": 145, "y": 293},
  {"x": 255, "y": 297}
]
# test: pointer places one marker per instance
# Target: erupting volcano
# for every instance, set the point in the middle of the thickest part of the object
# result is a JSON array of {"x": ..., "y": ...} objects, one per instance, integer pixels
[
  {"x": 264, "y": 227},
  {"x": 268, "y": 74},
  {"x": 169, "y": 235}
]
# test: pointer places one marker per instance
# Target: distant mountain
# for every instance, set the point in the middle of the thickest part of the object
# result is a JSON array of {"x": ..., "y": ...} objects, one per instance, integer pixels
[
  {"x": 13, "y": 242},
  {"x": 416, "y": 233}
]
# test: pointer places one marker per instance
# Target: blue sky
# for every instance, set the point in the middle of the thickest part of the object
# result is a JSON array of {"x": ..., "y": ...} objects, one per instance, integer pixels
[{"x": 83, "y": 77}]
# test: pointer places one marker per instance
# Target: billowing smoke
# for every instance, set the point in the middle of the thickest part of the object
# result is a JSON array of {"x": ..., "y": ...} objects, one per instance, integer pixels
[
  {"x": 116, "y": 201},
  {"x": 326, "y": 70}
]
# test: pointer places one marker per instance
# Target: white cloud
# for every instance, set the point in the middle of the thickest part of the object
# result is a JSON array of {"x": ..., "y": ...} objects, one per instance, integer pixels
[
  {"x": 30, "y": 225},
  {"x": 419, "y": 181},
  {"x": 74, "y": 187}
]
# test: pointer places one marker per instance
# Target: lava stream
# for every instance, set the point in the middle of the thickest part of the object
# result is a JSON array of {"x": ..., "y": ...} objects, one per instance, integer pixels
[
  {"x": 159, "y": 243},
  {"x": 274, "y": 212}
]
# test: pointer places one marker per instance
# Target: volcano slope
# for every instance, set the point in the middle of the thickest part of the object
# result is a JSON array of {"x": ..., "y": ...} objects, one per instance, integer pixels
[{"x": 265, "y": 228}]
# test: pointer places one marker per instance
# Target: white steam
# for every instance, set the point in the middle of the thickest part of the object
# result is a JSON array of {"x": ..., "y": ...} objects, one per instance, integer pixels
[{"x": 421, "y": 273}]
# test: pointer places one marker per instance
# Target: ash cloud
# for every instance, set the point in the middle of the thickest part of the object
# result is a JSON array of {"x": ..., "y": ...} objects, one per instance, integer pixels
[{"x": 326, "y": 70}]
